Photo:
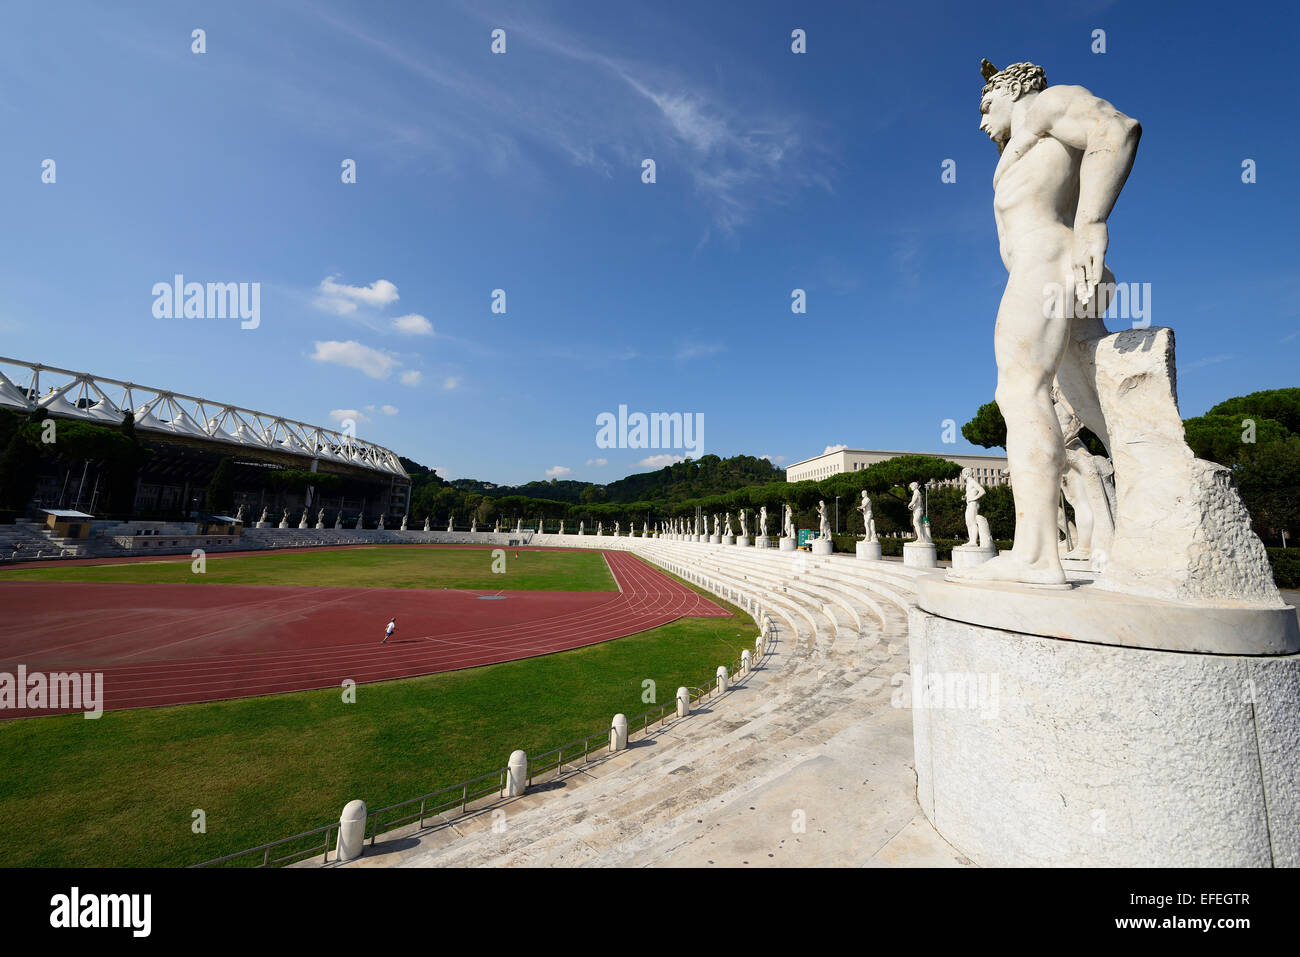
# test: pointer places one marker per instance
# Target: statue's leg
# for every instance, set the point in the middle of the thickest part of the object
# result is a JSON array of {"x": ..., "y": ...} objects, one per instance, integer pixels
[{"x": 1029, "y": 343}]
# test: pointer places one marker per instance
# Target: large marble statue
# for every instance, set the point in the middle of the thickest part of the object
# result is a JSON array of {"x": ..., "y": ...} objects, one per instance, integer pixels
[
  {"x": 917, "y": 506},
  {"x": 744, "y": 525},
  {"x": 338, "y": 518},
  {"x": 519, "y": 525},
  {"x": 582, "y": 528},
  {"x": 284, "y": 519},
  {"x": 427, "y": 527},
  {"x": 239, "y": 516},
  {"x": 616, "y": 526},
  {"x": 645, "y": 529},
  {"x": 302, "y": 521},
  {"x": 263, "y": 519},
  {"x": 380, "y": 526},
  {"x": 496, "y": 527},
  {"x": 1065, "y": 156},
  {"x": 727, "y": 530},
  {"x": 868, "y": 519},
  {"x": 473, "y": 523},
  {"x": 977, "y": 533},
  {"x": 600, "y": 527},
  {"x": 787, "y": 523},
  {"x": 320, "y": 518},
  {"x": 404, "y": 518},
  {"x": 450, "y": 519},
  {"x": 717, "y": 523},
  {"x": 762, "y": 522},
  {"x": 561, "y": 526},
  {"x": 541, "y": 526},
  {"x": 824, "y": 531}
]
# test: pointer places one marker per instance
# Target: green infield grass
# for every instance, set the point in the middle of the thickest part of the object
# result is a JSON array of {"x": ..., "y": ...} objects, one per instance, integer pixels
[
  {"x": 469, "y": 568},
  {"x": 122, "y": 790}
]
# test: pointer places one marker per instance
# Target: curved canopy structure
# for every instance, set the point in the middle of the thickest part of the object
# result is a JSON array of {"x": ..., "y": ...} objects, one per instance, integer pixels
[{"x": 80, "y": 395}]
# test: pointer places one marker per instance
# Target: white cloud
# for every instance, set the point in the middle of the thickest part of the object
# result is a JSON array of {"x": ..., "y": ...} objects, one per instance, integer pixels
[
  {"x": 774, "y": 459},
  {"x": 342, "y": 299},
  {"x": 659, "y": 461},
  {"x": 342, "y": 415},
  {"x": 834, "y": 448},
  {"x": 354, "y": 355},
  {"x": 413, "y": 324},
  {"x": 597, "y": 461},
  {"x": 558, "y": 471},
  {"x": 388, "y": 409},
  {"x": 411, "y": 377},
  {"x": 450, "y": 383}
]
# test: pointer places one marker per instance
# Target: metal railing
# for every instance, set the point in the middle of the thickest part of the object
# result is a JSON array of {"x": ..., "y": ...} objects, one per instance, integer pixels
[{"x": 465, "y": 793}]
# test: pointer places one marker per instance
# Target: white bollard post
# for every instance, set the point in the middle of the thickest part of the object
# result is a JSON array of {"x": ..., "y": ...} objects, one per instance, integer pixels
[
  {"x": 683, "y": 702},
  {"x": 758, "y": 646},
  {"x": 516, "y": 774},
  {"x": 618, "y": 733},
  {"x": 352, "y": 831},
  {"x": 744, "y": 661},
  {"x": 722, "y": 678}
]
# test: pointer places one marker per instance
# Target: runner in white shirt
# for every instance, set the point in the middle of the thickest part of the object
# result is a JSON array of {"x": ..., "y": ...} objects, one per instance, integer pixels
[{"x": 388, "y": 632}]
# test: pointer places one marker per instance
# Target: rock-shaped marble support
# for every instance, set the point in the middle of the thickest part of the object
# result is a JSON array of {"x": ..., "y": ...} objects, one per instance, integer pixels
[{"x": 1181, "y": 533}]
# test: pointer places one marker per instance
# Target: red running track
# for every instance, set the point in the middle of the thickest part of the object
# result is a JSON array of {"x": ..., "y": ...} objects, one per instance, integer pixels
[{"x": 164, "y": 644}]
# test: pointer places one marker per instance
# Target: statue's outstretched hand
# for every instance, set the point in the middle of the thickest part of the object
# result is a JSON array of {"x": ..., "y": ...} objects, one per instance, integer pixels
[{"x": 1090, "y": 242}]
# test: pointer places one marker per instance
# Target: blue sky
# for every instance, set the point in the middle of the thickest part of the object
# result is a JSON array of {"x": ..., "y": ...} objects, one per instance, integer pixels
[{"x": 523, "y": 172}]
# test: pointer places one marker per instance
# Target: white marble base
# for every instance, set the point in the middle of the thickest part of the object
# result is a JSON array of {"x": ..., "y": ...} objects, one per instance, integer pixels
[
  {"x": 742, "y": 541},
  {"x": 262, "y": 525},
  {"x": 762, "y": 541},
  {"x": 283, "y": 524},
  {"x": 715, "y": 539},
  {"x": 1085, "y": 612},
  {"x": 869, "y": 551},
  {"x": 920, "y": 555},
  {"x": 728, "y": 539},
  {"x": 820, "y": 547},
  {"x": 787, "y": 544},
  {"x": 966, "y": 556},
  {"x": 1037, "y": 752}
]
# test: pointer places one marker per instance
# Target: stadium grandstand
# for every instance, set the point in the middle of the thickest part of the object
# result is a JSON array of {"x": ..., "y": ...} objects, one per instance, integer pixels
[{"x": 275, "y": 463}]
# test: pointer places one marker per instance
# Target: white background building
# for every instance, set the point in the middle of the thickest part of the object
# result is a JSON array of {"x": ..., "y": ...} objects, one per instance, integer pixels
[{"x": 989, "y": 469}]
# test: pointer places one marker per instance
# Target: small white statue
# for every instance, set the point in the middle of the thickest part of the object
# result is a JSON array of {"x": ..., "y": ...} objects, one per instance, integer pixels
[
  {"x": 263, "y": 518},
  {"x": 616, "y": 529},
  {"x": 868, "y": 519},
  {"x": 519, "y": 525},
  {"x": 497, "y": 526},
  {"x": 824, "y": 532},
  {"x": 561, "y": 526},
  {"x": 727, "y": 532},
  {"x": 284, "y": 519},
  {"x": 426, "y": 524},
  {"x": 744, "y": 525},
  {"x": 450, "y": 517},
  {"x": 320, "y": 518},
  {"x": 338, "y": 518},
  {"x": 403, "y": 528},
  {"x": 787, "y": 524},
  {"x": 600, "y": 528},
  {"x": 380, "y": 526},
  {"x": 473, "y": 524},
  {"x": 582, "y": 527},
  {"x": 974, "y": 492},
  {"x": 917, "y": 505},
  {"x": 762, "y": 522},
  {"x": 239, "y": 516}
]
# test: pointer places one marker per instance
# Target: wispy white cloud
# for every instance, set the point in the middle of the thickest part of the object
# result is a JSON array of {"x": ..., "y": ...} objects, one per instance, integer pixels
[
  {"x": 343, "y": 415},
  {"x": 697, "y": 350},
  {"x": 411, "y": 377},
  {"x": 342, "y": 299},
  {"x": 659, "y": 461},
  {"x": 774, "y": 459},
  {"x": 451, "y": 382},
  {"x": 354, "y": 355},
  {"x": 413, "y": 324},
  {"x": 1207, "y": 361},
  {"x": 597, "y": 461},
  {"x": 558, "y": 471},
  {"x": 833, "y": 448}
]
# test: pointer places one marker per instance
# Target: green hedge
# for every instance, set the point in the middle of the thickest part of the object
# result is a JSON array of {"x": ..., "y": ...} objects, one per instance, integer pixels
[{"x": 1286, "y": 566}]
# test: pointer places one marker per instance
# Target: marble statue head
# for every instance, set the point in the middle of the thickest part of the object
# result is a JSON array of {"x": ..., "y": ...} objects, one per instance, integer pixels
[{"x": 1001, "y": 90}]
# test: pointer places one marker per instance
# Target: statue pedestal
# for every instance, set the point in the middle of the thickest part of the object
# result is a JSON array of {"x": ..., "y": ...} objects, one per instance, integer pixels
[
  {"x": 283, "y": 524},
  {"x": 920, "y": 555},
  {"x": 1035, "y": 751},
  {"x": 715, "y": 539},
  {"x": 261, "y": 524},
  {"x": 762, "y": 541},
  {"x": 320, "y": 525},
  {"x": 786, "y": 544},
  {"x": 967, "y": 556},
  {"x": 822, "y": 547},
  {"x": 869, "y": 551},
  {"x": 743, "y": 541},
  {"x": 728, "y": 539}
]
